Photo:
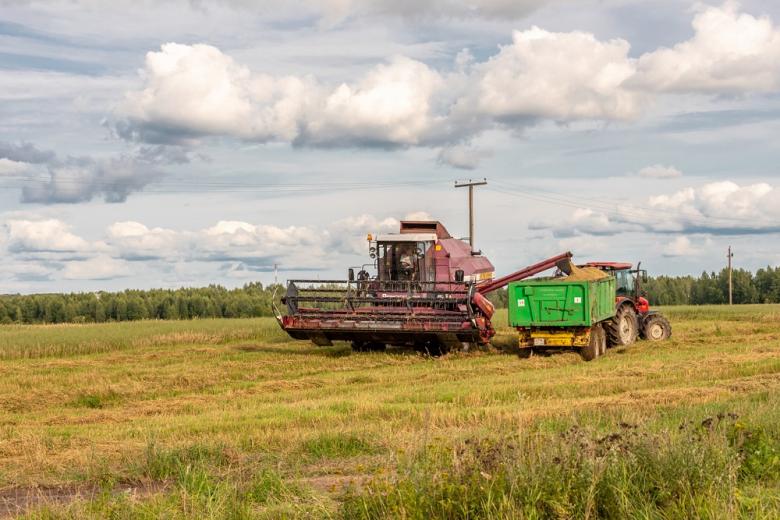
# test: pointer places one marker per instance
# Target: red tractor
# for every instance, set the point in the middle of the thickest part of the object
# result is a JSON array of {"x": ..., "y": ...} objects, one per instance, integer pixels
[{"x": 633, "y": 316}]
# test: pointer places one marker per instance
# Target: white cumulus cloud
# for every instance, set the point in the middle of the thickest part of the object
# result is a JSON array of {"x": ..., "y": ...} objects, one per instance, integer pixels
[
  {"x": 9, "y": 167},
  {"x": 462, "y": 157},
  {"x": 101, "y": 267},
  {"x": 39, "y": 236},
  {"x": 730, "y": 52},
  {"x": 714, "y": 208},
  {"x": 659, "y": 171},
  {"x": 680, "y": 246},
  {"x": 561, "y": 76},
  {"x": 192, "y": 91}
]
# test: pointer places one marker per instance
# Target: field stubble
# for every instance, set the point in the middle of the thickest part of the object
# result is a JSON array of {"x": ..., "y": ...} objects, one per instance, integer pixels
[{"x": 227, "y": 418}]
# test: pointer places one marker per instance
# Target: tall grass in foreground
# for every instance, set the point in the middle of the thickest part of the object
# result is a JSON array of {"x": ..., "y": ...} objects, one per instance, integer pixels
[{"x": 720, "y": 468}]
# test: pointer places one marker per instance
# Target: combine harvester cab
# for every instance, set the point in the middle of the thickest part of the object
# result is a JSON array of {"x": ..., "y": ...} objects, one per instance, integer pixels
[{"x": 429, "y": 293}]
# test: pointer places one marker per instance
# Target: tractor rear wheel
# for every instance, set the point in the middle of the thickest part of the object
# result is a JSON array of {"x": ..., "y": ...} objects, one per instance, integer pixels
[
  {"x": 656, "y": 328},
  {"x": 622, "y": 329},
  {"x": 596, "y": 345}
]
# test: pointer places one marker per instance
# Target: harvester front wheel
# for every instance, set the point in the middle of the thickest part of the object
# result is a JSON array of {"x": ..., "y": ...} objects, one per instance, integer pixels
[
  {"x": 359, "y": 346},
  {"x": 656, "y": 328},
  {"x": 432, "y": 348},
  {"x": 597, "y": 344},
  {"x": 622, "y": 329}
]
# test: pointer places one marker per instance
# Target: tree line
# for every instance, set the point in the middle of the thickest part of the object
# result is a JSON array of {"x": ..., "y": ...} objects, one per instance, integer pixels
[
  {"x": 254, "y": 300},
  {"x": 713, "y": 288},
  {"x": 213, "y": 301}
]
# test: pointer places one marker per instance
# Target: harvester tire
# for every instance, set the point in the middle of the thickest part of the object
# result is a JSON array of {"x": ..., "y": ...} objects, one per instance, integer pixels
[
  {"x": 596, "y": 345},
  {"x": 368, "y": 346},
  {"x": 432, "y": 348},
  {"x": 359, "y": 346},
  {"x": 622, "y": 329},
  {"x": 656, "y": 328}
]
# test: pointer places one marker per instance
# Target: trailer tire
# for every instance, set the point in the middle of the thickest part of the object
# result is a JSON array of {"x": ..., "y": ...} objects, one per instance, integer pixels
[
  {"x": 596, "y": 345},
  {"x": 525, "y": 353},
  {"x": 656, "y": 328},
  {"x": 622, "y": 328}
]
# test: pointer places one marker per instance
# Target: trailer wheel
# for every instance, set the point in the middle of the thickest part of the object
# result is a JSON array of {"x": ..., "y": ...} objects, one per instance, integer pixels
[
  {"x": 596, "y": 345},
  {"x": 656, "y": 328},
  {"x": 525, "y": 353},
  {"x": 622, "y": 329}
]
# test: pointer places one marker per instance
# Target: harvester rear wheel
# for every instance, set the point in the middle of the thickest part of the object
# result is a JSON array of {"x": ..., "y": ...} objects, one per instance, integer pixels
[
  {"x": 622, "y": 329},
  {"x": 596, "y": 345},
  {"x": 656, "y": 328}
]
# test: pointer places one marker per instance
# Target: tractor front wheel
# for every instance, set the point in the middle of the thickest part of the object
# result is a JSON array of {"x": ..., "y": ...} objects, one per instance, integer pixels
[
  {"x": 656, "y": 328},
  {"x": 622, "y": 329},
  {"x": 596, "y": 345}
]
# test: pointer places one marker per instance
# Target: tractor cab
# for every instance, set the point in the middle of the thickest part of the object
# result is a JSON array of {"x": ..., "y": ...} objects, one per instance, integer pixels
[{"x": 627, "y": 280}]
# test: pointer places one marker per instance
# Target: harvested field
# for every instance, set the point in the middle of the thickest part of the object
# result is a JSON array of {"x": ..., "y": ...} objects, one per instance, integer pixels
[{"x": 229, "y": 419}]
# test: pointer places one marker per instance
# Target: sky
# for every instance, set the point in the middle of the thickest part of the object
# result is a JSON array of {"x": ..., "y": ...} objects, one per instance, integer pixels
[{"x": 186, "y": 143}]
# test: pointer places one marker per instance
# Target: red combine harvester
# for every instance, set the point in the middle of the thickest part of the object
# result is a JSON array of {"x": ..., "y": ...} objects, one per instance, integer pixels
[{"x": 429, "y": 292}]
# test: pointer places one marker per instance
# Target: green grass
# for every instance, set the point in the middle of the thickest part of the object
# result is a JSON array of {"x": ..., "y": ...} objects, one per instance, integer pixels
[{"x": 230, "y": 419}]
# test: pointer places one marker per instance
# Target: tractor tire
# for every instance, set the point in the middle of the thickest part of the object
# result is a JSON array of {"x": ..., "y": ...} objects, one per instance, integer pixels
[
  {"x": 622, "y": 330},
  {"x": 656, "y": 328},
  {"x": 596, "y": 345}
]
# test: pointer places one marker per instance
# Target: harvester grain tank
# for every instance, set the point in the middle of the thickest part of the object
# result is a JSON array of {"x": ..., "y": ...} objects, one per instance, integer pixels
[{"x": 428, "y": 291}]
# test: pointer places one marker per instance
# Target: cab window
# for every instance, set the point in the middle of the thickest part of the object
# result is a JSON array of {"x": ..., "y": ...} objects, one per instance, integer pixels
[
  {"x": 405, "y": 261},
  {"x": 624, "y": 282}
]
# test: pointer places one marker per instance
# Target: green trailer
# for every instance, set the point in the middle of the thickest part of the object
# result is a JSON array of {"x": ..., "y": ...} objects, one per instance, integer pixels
[{"x": 566, "y": 312}]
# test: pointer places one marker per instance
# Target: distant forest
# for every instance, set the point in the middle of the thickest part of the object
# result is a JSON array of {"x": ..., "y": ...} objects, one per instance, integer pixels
[{"x": 254, "y": 299}]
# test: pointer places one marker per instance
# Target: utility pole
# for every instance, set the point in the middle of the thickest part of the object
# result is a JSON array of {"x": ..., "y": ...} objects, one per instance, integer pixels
[
  {"x": 276, "y": 274},
  {"x": 730, "y": 255},
  {"x": 471, "y": 185}
]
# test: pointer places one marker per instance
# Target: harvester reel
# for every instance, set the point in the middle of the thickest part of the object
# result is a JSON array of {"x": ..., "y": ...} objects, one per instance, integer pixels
[
  {"x": 656, "y": 328},
  {"x": 622, "y": 329}
]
